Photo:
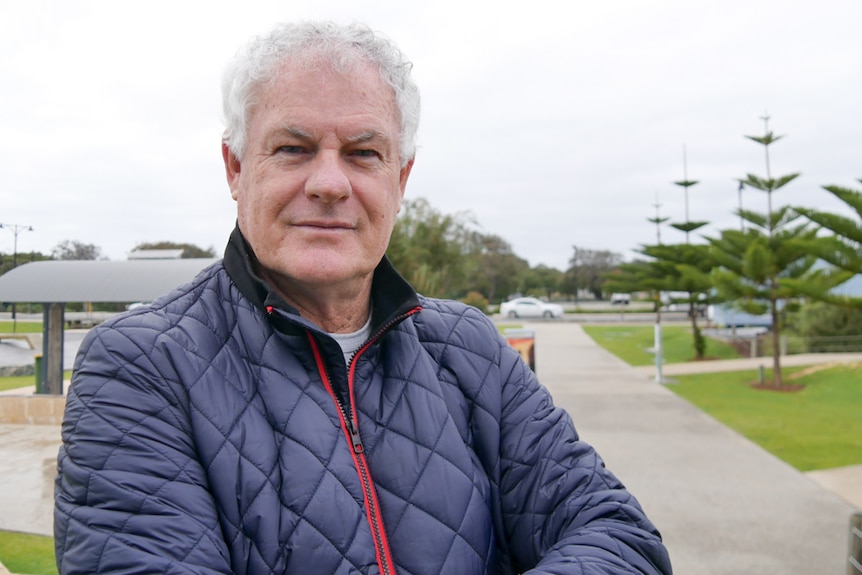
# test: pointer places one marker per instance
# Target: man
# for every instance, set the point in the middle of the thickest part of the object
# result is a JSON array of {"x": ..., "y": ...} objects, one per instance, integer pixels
[{"x": 298, "y": 408}]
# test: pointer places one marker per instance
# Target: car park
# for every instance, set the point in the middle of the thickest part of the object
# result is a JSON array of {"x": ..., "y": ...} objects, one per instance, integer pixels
[{"x": 530, "y": 307}]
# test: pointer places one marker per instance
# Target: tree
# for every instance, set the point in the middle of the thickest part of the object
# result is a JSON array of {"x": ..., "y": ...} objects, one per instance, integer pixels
[
  {"x": 493, "y": 268},
  {"x": 639, "y": 275},
  {"x": 687, "y": 226},
  {"x": 843, "y": 249},
  {"x": 827, "y": 328},
  {"x": 685, "y": 268},
  {"x": 680, "y": 268},
  {"x": 756, "y": 268},
  {"x": 190, "y": 251},
  {"x": 7, "y": 260},
  {"x": 542, "y": 280},
  {"x": 75, "y": 250},
  {"x": 429, "y": 248},
  {"x": 588, "y": 269}
]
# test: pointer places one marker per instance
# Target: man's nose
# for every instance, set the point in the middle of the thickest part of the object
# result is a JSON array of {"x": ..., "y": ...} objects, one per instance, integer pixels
[{"x": 328, "y": 180}]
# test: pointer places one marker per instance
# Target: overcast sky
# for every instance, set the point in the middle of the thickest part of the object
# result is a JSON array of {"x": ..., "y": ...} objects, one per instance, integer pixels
[{"x": 553, "y": 123}]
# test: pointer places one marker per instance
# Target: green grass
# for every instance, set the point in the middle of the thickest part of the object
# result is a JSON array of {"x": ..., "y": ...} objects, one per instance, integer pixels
[
  {"x": 23, "y": 381},
  {"x": 816, "y": 428},
  {"x": 630, "y": 343},
  {"x": 25, "y": 553},
  {"x": 21, "y": 327}
]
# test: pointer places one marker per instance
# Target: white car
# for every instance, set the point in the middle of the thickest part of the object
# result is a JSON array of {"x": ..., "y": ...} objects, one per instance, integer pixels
[
  {"x": 621, "y": 298},
  {"x": 530, "y": 307}
]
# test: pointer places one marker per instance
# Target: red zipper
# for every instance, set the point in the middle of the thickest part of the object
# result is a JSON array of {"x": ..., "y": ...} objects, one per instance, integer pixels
[{"x": 350, "y": 426}]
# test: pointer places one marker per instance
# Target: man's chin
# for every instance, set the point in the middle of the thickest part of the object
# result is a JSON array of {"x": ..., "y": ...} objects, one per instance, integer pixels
[{"x": 323, "y": 269}]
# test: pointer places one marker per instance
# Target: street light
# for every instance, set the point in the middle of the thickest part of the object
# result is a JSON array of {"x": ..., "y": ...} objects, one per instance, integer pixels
[{"x": 15, "y": 229}]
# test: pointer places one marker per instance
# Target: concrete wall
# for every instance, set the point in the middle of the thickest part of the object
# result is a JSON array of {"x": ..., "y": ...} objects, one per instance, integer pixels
[{"x": 32, "y": 409}]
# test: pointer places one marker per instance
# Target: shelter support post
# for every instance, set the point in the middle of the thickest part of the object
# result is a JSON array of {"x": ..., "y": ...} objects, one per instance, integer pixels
[{"x": 52, "y": 348}]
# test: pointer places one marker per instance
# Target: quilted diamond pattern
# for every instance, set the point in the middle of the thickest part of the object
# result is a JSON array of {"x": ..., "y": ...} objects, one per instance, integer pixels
[{"x": 200, "y": 439}]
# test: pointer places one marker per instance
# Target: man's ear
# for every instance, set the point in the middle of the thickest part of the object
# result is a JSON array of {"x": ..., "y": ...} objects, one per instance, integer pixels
[
  {"x": 404, "y": 175},
  {"x": 232, "y": 169}
]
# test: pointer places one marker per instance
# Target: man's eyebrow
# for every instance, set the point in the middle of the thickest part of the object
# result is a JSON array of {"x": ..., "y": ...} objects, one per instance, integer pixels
[
  {"x": 367, "y": 136},
  {"x": 360, "y": 138},
  {"x": 295, "y": 132}
]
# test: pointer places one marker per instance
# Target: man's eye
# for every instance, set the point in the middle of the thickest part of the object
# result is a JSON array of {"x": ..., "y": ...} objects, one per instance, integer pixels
[
  {"x": 365, "y": 153},
  {"x": 290, "y": 149}
]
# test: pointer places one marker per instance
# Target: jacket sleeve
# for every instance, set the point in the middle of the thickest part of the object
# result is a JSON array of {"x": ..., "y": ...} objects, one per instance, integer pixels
[
  {"x": 564, "y": 511},
  {"x": 130, "y": 494}
]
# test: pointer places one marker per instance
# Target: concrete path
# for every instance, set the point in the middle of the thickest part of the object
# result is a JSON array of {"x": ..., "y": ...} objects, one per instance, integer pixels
[
  {"x": 719, "y": 365},
  {"x": 724, "y": 505},
  {"x": 29, "y": 456}
]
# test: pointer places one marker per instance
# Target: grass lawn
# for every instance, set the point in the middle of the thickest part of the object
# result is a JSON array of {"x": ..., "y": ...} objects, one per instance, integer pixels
[
  {"x": 21, "y": 327},
  {"x": 630, "y": 343},
  {"x": 24, "y": 553},
  {"x": 23, "y": 381},
  {"x": 816, "y": 428}
]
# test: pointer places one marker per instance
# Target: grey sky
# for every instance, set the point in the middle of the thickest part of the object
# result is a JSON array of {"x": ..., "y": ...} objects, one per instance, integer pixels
[{"x": 553, "y": 123}]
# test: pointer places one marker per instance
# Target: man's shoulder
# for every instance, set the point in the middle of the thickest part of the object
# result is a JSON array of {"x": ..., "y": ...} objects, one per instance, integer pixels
[
  {"x": 199, "y": 303},
  {"x": 447, "y": 313},
  {"x": 457, "y": 324}
]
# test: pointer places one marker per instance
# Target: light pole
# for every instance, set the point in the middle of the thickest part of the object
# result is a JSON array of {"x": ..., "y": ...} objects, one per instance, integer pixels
[
  {"x": 741, "y": 220},
  {"x": 15, "y": 229}
]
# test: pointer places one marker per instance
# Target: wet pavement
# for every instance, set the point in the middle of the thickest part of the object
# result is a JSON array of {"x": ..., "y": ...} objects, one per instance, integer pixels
[
  {"x": 29, "y": 455},
  {"x": 17, "y": 352}
]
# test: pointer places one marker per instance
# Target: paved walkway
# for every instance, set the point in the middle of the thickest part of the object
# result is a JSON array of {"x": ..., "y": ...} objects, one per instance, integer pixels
[
  {"x": 724, "y": 505},
  {"x": 719, "y": 365}
]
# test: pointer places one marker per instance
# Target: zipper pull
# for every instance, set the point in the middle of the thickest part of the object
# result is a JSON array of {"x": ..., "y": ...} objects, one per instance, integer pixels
[{"x": 354, "y": 437}]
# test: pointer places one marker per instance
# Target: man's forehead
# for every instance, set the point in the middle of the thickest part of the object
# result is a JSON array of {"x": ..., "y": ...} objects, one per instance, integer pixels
[
  {"x": 323, "y": 70},
  {"x": 307, "y": 102}
]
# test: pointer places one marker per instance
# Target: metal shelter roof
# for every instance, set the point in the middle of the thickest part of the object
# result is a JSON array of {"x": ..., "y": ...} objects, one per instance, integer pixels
[
  {"x": 156, "y": 254},
  {"x": 96, "y": 281}
]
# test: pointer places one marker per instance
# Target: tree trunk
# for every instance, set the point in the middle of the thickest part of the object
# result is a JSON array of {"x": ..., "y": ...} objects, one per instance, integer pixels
[{"x": 692, "y": 313}]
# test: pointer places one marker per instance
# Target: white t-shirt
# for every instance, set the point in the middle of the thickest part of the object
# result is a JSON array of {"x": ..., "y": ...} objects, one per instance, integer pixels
[{"x": 351, "y": 342}]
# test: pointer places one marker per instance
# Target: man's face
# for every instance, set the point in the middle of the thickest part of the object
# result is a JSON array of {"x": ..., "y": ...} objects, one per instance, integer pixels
[{"x": 320, "y": 181}]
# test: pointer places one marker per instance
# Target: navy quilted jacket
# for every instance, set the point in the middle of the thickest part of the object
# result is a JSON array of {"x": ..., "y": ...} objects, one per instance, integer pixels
[{"x": 217, "y": 432}]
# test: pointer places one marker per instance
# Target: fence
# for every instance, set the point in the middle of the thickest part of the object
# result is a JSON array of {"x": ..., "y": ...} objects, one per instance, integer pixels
[
  {"x": 761, "y": 344},
  {"x": 854, "y": 559},
  {"x": 823, "y": 344}
]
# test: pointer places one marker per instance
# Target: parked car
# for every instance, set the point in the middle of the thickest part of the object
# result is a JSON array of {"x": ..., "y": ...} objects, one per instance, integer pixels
[
  {"x": 679, "y": 301},
  {"x": 621, "y": 298},
  {"x": 530, "y": 307}
]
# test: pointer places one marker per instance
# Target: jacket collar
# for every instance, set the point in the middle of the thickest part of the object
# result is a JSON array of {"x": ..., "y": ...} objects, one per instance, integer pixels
[{"x": 392, "y": 297}]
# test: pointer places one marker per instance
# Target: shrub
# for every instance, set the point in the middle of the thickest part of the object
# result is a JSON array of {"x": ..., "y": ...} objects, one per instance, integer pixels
[
  {"x": 476, "y": 300},
  {"x": 826, "y": 327}
]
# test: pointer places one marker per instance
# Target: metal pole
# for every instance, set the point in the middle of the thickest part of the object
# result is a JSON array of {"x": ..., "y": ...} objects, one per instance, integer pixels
[
  {"x": 659, "y": 377},
  {"x": 15, "y": 265}
]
